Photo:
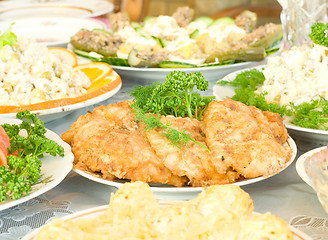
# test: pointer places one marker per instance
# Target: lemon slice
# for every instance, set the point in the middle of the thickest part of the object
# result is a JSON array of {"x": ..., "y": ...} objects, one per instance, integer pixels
[
  {"x": 95, "y": 70},
  {"x": 65, "y": 55}
]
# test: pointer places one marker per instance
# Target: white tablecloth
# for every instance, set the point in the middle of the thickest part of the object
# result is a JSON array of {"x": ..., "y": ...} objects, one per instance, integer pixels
[{"x": 285, "y": 194}]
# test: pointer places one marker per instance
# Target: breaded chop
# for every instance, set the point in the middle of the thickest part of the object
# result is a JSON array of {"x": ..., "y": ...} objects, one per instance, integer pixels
[
  {"x": 244, "y": 142},
  {"x": 110, "y": 142},
  {"x": 242, "y": 138},
  {"x": 193, "y": 160},
  {"x": 277, "y": 126}
]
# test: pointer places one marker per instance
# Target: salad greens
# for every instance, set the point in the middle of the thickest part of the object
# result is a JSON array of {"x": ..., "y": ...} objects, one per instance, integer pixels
[
  {"x": 308, "y": 115},
  {"x": 24, "y": 165},
  {"x": 7, "y": 38},
  {"x": 176, "y": 96}
]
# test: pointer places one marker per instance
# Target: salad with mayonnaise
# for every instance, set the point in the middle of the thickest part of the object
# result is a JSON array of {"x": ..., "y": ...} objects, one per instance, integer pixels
[
  {"x": 31, "y": 73},
  {"x": 293, "y": 84}
]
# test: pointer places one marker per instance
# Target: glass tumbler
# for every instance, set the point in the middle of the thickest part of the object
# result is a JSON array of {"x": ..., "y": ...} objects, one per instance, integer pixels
[{"x": 297, "y": 17}]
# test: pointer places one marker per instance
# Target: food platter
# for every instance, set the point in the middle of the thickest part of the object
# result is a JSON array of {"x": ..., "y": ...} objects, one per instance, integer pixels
[
  {"x": 53, "y": 170},
  {"x": 319, "y": 137},
  {"x": 148, "y": 75},
  {"x": 12, "y": 10},
  {"x": 92, "y": 212},
  {"x": 47, "y": 115},
  {"x": 300, "y": 164},
  {"x": 168, "y": 192},
  {"x": 51, "y": 31}
]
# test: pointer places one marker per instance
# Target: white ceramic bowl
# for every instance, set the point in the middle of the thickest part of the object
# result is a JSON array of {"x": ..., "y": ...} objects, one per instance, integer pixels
[{"x": 51, "y": 31}]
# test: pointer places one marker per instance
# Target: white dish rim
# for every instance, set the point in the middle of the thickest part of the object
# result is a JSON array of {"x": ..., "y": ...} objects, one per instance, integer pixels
[
  {"x": 182, "y": 190},
  {"x": 101, "y": 209}
]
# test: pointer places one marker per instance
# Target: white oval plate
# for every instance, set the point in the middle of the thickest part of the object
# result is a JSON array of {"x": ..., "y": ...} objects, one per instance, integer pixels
[
  {"x": 53, "y": 170},
  {"x": 92, "y": 212},
  {"x": 158, "y": 74},
  {"x": 51, "y": 31},
  {"x": 319, "y": 136},
  {"x": 57, "y": 112},
  {"x": 300, "y": 168},
  {"x": 11, "y": 10},
  {"x": 168, "y": 192}
]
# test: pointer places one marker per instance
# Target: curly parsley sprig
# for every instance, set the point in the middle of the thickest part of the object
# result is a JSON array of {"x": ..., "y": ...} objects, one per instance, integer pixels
[
  {"x": 177, "y": 97},
  {"x": 24, "y": 170}
]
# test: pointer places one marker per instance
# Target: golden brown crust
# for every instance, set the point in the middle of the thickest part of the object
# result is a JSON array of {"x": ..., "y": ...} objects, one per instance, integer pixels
[{"x": 244, "y": 142}]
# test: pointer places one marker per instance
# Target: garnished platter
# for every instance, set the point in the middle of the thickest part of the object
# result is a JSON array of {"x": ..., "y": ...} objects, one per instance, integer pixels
[{"x": 53, "y": 170}]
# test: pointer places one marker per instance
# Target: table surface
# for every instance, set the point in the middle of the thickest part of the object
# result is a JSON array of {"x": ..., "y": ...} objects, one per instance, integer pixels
[{"x": 285, "y": 194}]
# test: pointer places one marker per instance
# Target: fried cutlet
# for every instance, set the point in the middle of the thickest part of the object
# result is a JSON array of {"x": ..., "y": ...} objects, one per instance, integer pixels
[
  {"x": 242, "y": 138},
  {"x": 110, "y": 142}
]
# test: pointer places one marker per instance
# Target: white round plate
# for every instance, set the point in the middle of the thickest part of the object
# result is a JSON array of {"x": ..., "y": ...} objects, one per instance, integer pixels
[
  {"x": 300, "y": 168},
  {"x": 168, "y": 192},
  {"x": 53, "y": 170},
  {"x": 12, "y": 10},
  {"x": 51, "y": 31},
  {"x": 158, "y": 74},
  {"x": 320, "y": 137},
  {"x": 54, "y": 113},
  {"x": 92, "y": 212}
]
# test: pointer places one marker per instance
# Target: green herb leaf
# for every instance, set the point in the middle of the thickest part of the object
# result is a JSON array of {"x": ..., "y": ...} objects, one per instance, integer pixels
[
  {"x": 23, "y": 170},
  {"x": 308, "y": 115},
  {"x": 176, "y": 96},
  {"x": 319, "y": 33}
]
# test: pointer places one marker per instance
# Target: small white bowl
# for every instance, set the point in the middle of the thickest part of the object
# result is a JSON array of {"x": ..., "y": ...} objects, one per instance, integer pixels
[
  {"x": 312, "y": 167},
  {"x": 51, "y": 31}
]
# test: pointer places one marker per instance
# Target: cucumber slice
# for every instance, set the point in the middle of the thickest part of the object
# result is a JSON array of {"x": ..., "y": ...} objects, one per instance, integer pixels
[
  {"x": 115, "y": 61},
  {"x": 271, "y": 51},
  {"x": 160, "y": 41},
  {"x": 142, "y": 32},
  {"x": 135, "y": 24},
  {"x": 223, "y": 20},
  {"x": 101, "y": 30},
  {"x": 206, "y": 20},
  {"x": 194, "y": 34},
  {"x": 270, "y": 38},
  {"x": 174, "y": 64},
  {"x": 86, "y": 55},
  {"x": 218, "y": 64}
]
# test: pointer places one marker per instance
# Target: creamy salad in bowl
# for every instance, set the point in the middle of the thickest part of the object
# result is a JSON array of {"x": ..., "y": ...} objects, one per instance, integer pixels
[
  {"x": 31, "y": 73},
  {"x": 293, "y": 84},
  {"x": 298, "y": 75}
]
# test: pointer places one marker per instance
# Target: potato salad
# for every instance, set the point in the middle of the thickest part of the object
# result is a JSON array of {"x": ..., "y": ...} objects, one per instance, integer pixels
[
  {"x": 30, "y": 73},
  {"x": 298, "y": 75}
]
